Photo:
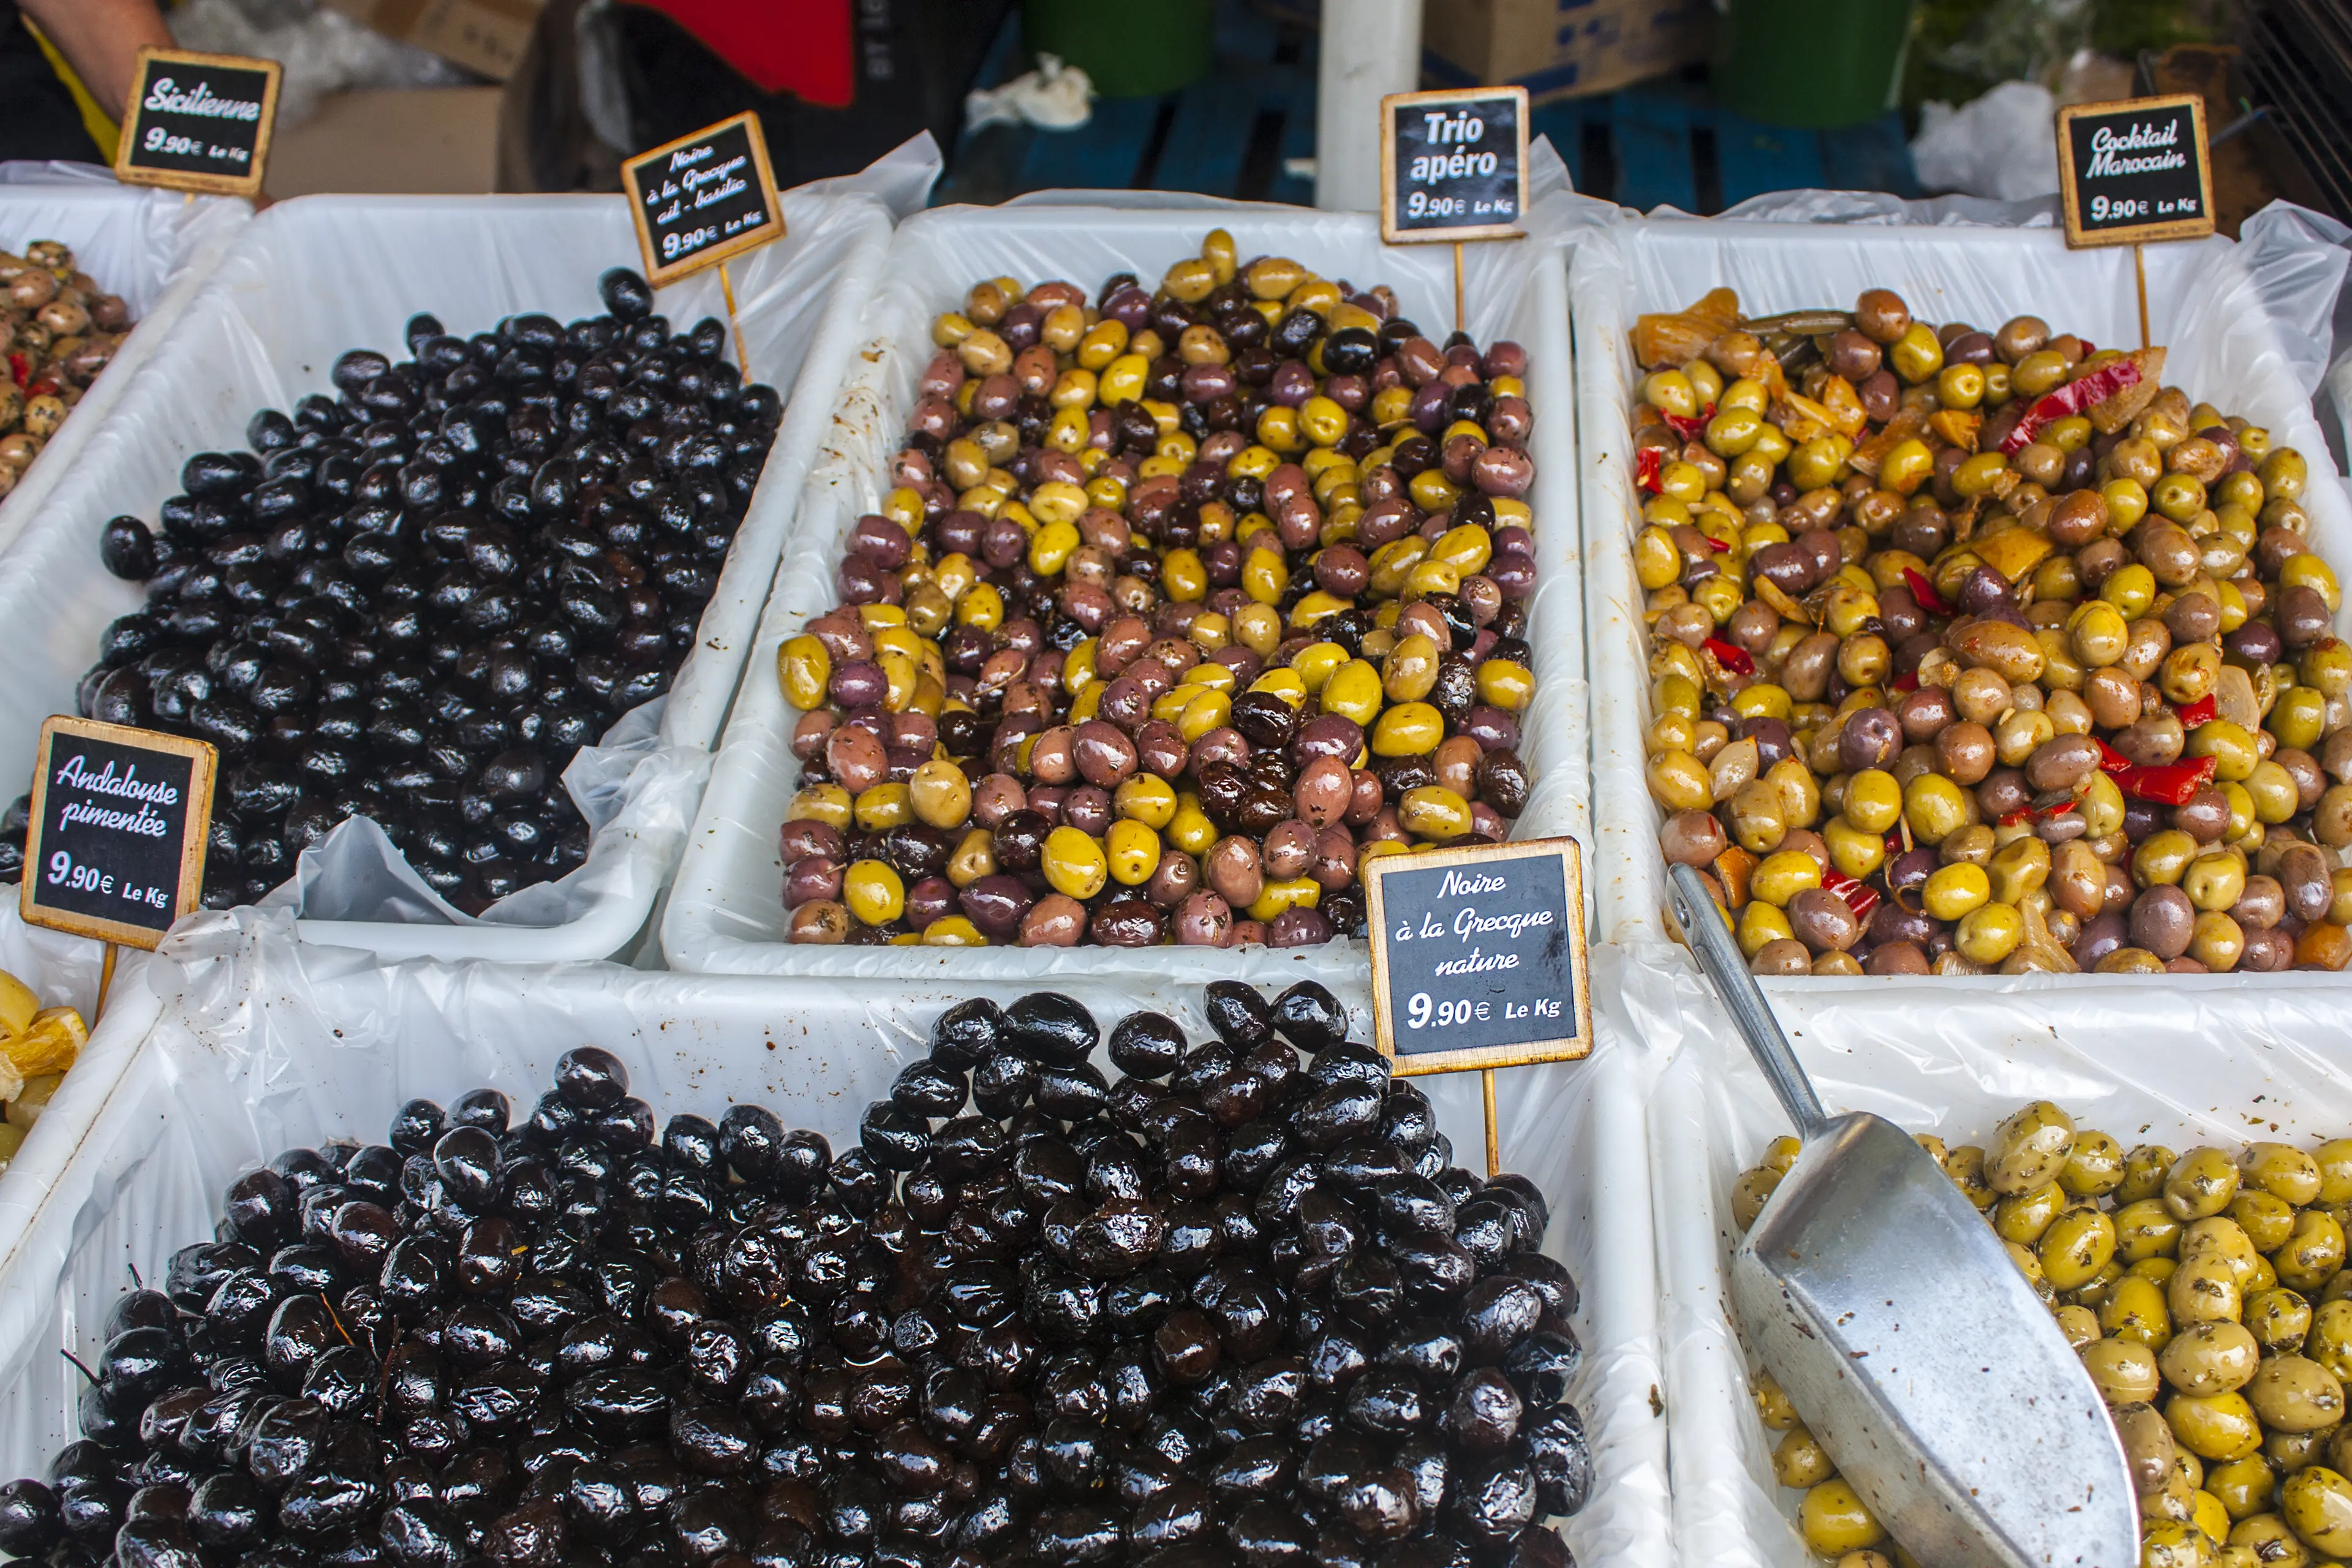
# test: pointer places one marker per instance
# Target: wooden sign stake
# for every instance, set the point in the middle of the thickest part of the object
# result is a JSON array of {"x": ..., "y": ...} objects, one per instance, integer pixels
[
  {"x": 742, "y": 354},
  {"x": 2139, "y": 275},
  {"x": 1494, "y": 1136},
  {"x": 106, "y": 984}
]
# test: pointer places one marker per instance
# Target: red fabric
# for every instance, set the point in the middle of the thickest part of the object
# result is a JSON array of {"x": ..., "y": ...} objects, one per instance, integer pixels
[{"x": 800, "y": 46}]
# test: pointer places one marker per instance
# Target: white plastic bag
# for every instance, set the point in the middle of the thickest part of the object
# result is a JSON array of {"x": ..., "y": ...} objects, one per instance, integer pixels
[
  {"x": 2238, "y": 319},
  {"x": 2201, "y": 1068},
  {"x": 320, "y": 275},
  {"x": 726, "y": 912},
  {"x": 2002, "y": 144},
  {"x": 151, "y": 247},
  {"x": 267, "y": 1043}
]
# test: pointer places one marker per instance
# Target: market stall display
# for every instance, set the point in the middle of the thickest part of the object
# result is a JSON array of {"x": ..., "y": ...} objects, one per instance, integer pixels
[
  {"x": 2052, "y": 513},
  {"x": 1190, "y": 861},
  {"x": 2191, "y": 1087},
  {"x": 417, "y": 601},
  {"x": 304, "y": 285},
  {"x": 59, "y": 329},
  {"x": 381, "y": 1324},
  {"x": 1108, "y": 631},
  {"x": 268, "y": 1043},
  {"x": 2042, "y": 649}
]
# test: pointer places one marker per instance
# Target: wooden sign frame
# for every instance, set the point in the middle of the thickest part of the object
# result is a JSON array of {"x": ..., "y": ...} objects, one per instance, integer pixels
[
  {"x": 660, "y": 275},
  {"x": 2070, "y": 195},
  {"x": 246, "y": 185},
  {"x": 1389, "y": 233},
  {"x": 202, "y": 777},
  {"x": 1415, "y": 1064}
]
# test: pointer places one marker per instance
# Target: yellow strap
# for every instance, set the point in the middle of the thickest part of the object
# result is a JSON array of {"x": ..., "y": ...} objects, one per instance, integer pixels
[{"x": 101, "y": 126}]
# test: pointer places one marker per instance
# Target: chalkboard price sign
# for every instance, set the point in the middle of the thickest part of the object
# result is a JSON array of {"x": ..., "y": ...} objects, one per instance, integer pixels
[
  {"x": 1453, "y": 166},
  {"x": 198, "y": 122},
  {"x": 703, "y": 198},
  {"x": 116, "y": 847},
  {"x": 1478, "y": 956},
  {"x": 2135, "y": 171}
]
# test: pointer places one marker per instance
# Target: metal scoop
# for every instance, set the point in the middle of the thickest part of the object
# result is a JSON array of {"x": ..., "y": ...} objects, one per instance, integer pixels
[{"x": 1918, "y": 1354}]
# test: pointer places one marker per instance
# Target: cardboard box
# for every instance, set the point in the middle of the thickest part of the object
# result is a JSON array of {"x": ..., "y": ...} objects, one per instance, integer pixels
[
  {"x": 486, "y": 37},
  {"x": 423, "y": 140},
  {"x": 1560, "y": 48}
]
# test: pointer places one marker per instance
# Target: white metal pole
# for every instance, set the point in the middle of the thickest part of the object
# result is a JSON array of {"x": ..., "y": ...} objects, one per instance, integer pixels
[{"x": 1370, "y": 49}]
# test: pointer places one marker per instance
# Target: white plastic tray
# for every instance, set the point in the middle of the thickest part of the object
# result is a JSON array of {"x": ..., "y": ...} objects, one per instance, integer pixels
[
  {"x": 726, "y": 911},
  {"x": 320, "y": 274},
  {"x": 2223, "y": 349},
  {"x": 268, "y": 1043},
  {"x": 152, "y": 248},
  {"x": 2198, "y": 1070}
]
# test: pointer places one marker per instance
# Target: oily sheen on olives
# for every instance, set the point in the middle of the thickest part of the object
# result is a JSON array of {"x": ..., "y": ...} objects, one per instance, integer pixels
[
  {"x": 1186, "y": 601},
  {"x": 2205, "y": 1291},
  {"x": 417, "y": 599},
  {"x": 1236, "y": 1310},
  {"x": 1984, "y": 652}
]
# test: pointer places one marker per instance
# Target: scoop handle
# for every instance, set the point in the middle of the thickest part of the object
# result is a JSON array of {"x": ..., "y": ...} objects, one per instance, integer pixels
[{"x": 1743, "y": 1000}]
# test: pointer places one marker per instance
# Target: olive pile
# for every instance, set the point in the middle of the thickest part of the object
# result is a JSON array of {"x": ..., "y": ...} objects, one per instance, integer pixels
[
  {"x": 58, "y": 329},
  {"x": 2209, "y": 1299},
  {"x": 1236, "y": 1309},
  {"x": 1984, "y": 651},
  {"x": 1185, "y": 603},
  {"x": 415, "y": 602}
]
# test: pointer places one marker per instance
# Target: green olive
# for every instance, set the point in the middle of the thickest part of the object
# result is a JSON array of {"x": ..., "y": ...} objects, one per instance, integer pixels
[
  {"x": 2094, "y": 1167},
  {"x": 2266, "y": 1220},
  {"x": 2295, "y": 1393},
  {"x": 2135, "y": 1310},
  {"x": 2329, "y": 1342},
  {"x": 1798, "y": 1460},
  {"x": 2211, "y": 1358},
  {"x": 2202, "y": 1182},
  {"x": 2265, "y": 1538},
  {"x": 2030, "y": 1148},
  {"x": 2144, "y": 1172},
  {"x": 2022, "y": 1217},
  {"x": 2243, "y": 1487},
  {"x": 2222, "y": 1427},
  {"x": 2279, "y": 1318},
  {"x": 2124, "y": 1371},
  {"x": 2074, "y": 1248},
  {"x": 2312, "y": 1253},
  {"x": 2146, "y": 1230},
  {"x": 2318, "y": 1503},
  {"x": 2204, "y": 1289}
]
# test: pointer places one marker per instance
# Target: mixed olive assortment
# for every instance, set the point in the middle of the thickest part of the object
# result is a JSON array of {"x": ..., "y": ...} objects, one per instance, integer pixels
[
  {"x": 1236, "y": 1309},
  {"x": 57, "y": 328},
  {"x": 417, "y": 601},
  {"x": 2209, "y": 1299},
  {"x": 1984, "y": 650},
  {"x": 1187, "y": 601}
]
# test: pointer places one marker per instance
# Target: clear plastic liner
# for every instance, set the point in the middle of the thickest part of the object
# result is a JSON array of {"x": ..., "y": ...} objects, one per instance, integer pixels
[
  {"x": 320, "y": 275},
  {"x": 2203, "y": 1067},
  {"x": 265, "y": 1043},
  {"x": 726, "y": 912},
  {"x": 2240, "y": 320},
  {"x": 151, "y": 247},
  {"x": 63, "y": 971}
]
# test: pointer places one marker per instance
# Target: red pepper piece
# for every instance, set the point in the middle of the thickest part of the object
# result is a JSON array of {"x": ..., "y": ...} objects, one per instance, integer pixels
[
  {"x": 2171, "y": 784},
  {"x": 2112, "y": 761},
  {"x": 1688, "y": 429},
  {"x": 20, "y": 369},
  {"x": 1924, "y": 592},
  {"x": 2014, "y": 817},
  {"x": 1736, "y": 659},
  {"x": 2192, "y": 714},
  {"x": 1718, "y": 545},
  {"x": 1907, "y": 682},
  {"x": 1649, "y": 463},
  {"x": 1860, "y": 897},
  {"x": 2072, "y": 398}
]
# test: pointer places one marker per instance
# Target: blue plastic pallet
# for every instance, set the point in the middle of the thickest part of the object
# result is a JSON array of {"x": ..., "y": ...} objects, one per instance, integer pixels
[{"x": 1236, "y": 133}]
